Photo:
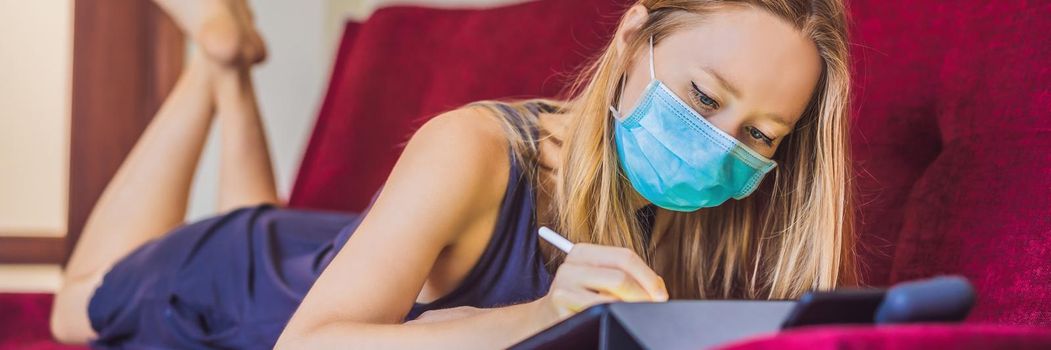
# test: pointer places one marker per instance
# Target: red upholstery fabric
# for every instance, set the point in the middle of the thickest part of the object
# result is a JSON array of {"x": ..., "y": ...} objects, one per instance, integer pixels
[
  {"x": 951, "y": 126},
  {"x": 956, "y": 123},
  {"x": 924, "y": 336},
  {"x": 951, "y": 144},
  {"x": 951, "y": 138},
  {"x": 407, "y": 64},
  {"x": 24, "y": 322},
  {"x": 982, "y": 207},
  {"x": 895, "y": 134}
]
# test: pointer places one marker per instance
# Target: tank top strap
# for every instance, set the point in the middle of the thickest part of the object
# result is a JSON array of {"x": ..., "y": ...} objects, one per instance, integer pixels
[
  {"x": 526, "y": 121},
  {"x": 511, "y": 268}
]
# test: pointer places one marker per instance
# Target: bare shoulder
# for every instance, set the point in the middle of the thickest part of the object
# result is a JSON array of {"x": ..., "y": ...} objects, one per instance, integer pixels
[
  {"x": 464, "y": 153},
  {"x": 450, "y": 177},
  {"x": 473, "y": 129}
]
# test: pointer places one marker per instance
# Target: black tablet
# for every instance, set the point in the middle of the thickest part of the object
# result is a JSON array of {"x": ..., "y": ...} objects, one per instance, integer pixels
[
  {"x": 677, "y": 324},
  {"x": 843, "y": 306},
  {"x": 692, "y": 324}
]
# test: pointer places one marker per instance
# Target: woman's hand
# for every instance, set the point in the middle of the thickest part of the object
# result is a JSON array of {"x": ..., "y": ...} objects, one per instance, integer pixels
[{"x": 595, "y": 274}]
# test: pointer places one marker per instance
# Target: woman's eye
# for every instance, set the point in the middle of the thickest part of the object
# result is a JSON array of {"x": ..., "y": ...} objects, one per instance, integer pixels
[
  {"x": 703, "y": 98},
  {"x": 759, "y": 135}
]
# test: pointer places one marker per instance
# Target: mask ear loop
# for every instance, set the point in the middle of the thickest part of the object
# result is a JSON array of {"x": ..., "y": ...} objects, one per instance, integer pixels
[
  {"x": 623, "y": 81},
  {"x": 619, "y": 91},
  {"x": 653, "y": 76}
]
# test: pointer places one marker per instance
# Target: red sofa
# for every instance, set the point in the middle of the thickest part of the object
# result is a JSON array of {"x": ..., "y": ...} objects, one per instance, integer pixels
[
  {"x": 952, "y": 141},
  {"x": 952, "y": 137}
]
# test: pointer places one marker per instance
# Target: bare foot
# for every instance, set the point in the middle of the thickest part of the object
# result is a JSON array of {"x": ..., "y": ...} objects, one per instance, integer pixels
[
  {"x": 254, "y": 49},
  {"x": 223, "y": 28}
]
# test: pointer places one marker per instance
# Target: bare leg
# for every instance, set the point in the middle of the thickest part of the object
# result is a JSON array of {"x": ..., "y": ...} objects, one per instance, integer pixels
[
  {"x": 146, "y": 198},
  {"x": 148, "y": 195},
  {"x": 246, "y": 176}
]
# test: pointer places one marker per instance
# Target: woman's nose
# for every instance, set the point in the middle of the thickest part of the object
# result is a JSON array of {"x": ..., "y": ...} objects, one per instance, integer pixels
[{"x": 728, "y": 122}]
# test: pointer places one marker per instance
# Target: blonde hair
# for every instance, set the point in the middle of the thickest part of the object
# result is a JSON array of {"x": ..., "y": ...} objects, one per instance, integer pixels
[{"x": 792, "y": 235}]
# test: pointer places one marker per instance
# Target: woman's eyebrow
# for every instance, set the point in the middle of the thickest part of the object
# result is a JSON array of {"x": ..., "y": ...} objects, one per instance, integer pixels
[
  {"x": 728, "y": 86},
  {"x": 722, "y": 81},
  {"x": 780, "y": 119}
]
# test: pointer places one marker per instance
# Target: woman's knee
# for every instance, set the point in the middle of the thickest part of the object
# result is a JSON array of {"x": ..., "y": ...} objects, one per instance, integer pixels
[{"x": 69, "y": 322}]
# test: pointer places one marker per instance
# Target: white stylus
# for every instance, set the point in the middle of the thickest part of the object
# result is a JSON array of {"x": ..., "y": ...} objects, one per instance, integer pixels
[{"x": 555, "y": 239}]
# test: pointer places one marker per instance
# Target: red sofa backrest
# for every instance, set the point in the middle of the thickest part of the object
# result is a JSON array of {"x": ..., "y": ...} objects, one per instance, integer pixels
[
  {"x": 407, "y": 64},
  {"x": 951, "y": 128},
  {"x": 952, "y": 139},
  {"x": 960, "y": 92}
]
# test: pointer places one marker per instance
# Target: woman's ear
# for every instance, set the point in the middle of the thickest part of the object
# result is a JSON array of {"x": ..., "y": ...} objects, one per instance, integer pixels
[{"x": 630, "y": 25}]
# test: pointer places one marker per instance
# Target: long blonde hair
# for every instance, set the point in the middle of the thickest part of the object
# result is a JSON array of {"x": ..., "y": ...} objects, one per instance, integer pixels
[{"x": 792, "y": 235}]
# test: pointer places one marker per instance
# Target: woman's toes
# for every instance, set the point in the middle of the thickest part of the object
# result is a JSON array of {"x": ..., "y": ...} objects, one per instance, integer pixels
[
  {"x": 253, "y": 48},
  {"x": 221, "y": 40},
  {"x": 212, "y": 24}
]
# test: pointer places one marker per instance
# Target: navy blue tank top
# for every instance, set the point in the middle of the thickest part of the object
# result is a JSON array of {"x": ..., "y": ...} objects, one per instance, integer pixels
[{"x": 511, "y": 269}]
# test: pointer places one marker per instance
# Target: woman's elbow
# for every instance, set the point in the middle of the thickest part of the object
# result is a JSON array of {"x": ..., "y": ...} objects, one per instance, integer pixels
[
  {"x": 289, "y": 339},
  {"x": 297, "y": 332},
  {"x": 321, "y": 334}
]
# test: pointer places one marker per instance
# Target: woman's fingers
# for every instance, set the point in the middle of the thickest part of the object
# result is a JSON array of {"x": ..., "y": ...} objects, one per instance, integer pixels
[
  {"x": 623, "y": 259},
  {"x": 612, "y": 281},
  {"x": 576, "y": 300},
  {"x": 594, "y": 274}
]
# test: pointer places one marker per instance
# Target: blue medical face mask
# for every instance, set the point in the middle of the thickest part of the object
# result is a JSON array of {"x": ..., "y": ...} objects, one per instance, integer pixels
[{"x": 678, "y": 160}]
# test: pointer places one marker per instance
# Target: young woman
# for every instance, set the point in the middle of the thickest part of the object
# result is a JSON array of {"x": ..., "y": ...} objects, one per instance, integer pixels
[{"x": 703, "y": 155}]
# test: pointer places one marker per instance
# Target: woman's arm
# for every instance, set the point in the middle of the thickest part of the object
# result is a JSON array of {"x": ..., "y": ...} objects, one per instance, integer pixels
[{"x": 448, "y": 183}]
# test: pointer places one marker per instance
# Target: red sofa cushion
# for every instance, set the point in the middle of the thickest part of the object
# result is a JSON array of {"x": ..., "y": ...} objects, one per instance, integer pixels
[
  {"x": 894, "y": 132},
  {"x": 919, "y": 336},
  {"x": 950, "y": 135},
  {"x": 982, "y": 207},
  {"x": 24, "y": 322}
]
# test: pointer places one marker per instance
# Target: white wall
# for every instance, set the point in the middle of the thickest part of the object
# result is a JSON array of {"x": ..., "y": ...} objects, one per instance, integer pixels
[{"x": 35, "y": 64}]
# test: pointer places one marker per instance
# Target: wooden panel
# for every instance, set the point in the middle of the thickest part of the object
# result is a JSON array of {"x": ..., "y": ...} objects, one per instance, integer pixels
[
  {"x": 32, "y": 250},
  {"x": 126, "y": 57}
]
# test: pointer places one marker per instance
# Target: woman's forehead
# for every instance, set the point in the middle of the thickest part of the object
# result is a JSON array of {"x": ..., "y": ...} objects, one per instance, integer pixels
[{"x": 768, "y": 62}]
